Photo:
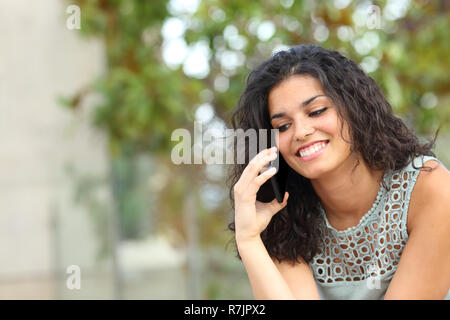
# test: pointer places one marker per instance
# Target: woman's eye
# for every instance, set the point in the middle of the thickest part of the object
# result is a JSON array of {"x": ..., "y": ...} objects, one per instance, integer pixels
[
  {"x": 316, "y": 113},
  {"x": 283, "y": 127}
]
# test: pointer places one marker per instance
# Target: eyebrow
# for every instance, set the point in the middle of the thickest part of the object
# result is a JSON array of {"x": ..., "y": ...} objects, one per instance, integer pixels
[{"x": 303, "y": 104}]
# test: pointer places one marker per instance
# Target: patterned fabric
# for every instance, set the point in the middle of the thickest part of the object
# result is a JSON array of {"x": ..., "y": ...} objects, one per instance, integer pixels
[{"x": 359, "y": 262}]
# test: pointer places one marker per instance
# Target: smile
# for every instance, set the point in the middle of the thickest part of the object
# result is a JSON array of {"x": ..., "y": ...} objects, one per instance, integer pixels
[{"x": 312, "y": 151}]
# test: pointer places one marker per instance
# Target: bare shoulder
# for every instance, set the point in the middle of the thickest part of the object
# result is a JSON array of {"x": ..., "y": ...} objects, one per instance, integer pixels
[{"x": 430, "y": 198}]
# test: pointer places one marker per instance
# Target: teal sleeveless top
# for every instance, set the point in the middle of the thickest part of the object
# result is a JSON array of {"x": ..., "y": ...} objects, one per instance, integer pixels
[{"x": 359, "y": 262}]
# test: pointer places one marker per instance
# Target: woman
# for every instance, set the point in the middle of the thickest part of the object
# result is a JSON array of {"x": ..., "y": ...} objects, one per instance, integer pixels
[{"x": 366, "y": 214}]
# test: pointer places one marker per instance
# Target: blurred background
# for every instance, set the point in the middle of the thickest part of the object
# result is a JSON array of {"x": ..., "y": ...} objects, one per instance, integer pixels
[{"x": 91, "y": 92}]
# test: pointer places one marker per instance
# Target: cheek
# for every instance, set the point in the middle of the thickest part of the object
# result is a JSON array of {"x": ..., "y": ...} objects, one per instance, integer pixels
[
  {"x": 284, "y": 142},
  {"x": 328, "y": 125},
  {"x": 342, "y": 135}
]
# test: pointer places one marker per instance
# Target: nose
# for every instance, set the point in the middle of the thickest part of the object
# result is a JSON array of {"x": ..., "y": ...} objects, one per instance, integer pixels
[{"x": 302, "y": 130}]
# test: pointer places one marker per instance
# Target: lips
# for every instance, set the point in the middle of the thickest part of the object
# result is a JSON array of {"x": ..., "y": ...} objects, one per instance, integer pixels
[{"x": 309, "y": 145}]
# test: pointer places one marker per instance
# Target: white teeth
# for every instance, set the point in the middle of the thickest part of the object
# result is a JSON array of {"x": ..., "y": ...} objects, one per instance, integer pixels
[{"x": 313, "y": 149}]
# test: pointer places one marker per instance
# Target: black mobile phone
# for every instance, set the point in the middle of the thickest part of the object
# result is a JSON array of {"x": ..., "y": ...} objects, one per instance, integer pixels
[{"x": 275, "y": 187}]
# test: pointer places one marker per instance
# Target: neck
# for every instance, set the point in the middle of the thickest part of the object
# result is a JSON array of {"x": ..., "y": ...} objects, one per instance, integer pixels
[{"x": 345, "y": 195}]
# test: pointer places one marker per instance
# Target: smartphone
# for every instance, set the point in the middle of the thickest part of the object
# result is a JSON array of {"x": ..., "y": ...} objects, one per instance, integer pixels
[{"x": 275, "y": 187}]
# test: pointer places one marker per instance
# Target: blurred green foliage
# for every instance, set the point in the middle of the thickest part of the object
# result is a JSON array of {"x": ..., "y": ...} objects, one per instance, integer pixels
[
  {"x": 144, "y": 100},
  {"x": 406, "y": 50}
]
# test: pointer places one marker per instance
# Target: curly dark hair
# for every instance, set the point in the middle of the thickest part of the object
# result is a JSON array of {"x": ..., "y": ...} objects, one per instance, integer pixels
[{"x": 382, "y": 139}]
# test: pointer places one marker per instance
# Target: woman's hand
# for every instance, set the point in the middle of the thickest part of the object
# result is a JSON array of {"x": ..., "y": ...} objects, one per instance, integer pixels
[{"x": 252, "y": 216}]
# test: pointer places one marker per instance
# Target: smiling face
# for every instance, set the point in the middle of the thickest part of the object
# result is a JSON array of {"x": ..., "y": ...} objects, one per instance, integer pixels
[{"x": 309, "y": 127}]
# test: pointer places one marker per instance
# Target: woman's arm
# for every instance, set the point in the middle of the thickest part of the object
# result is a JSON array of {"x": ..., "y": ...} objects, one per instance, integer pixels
[
  {"x": 269, "y": 280},
  {"x": 265, "y": 279}
]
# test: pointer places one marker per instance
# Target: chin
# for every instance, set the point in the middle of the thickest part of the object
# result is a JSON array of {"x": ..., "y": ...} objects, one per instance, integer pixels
[
  {"x": 311, "y": 172},
  {"x": 312, "y": 175}
]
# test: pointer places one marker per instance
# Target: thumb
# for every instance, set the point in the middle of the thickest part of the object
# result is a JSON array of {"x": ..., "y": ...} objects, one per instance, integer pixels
[
  {"x": 276, "y": 206},
  {"x": 272, "y": 208}
]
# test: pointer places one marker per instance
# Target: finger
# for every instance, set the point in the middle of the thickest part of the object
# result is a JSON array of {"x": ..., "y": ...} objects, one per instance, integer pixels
[
  {"x": 273, "y": 207},
  {"x": 266, "y": 174},
  {"x": 250, "y": 189},
  {"x": 277, "y": 206},
  {"x": 254, "y": 167},
  {"x": 263, "y": 177}
]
